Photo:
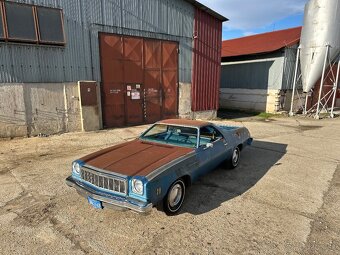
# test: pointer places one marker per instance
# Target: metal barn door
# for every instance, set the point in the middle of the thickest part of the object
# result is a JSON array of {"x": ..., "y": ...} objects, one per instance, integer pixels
[
  {"x": 170, "y": 79},
  {"x": 139, "y": 80},
  {"x": 153, "y": 92},
  {"x": 133, "y": 78},
  {"x": 112, "y": 69}
]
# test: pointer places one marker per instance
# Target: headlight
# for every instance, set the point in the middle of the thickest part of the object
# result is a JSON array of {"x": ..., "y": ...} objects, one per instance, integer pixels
[
  {"x": 76, "y": 168},
  {"x": 137, "y": 186}
]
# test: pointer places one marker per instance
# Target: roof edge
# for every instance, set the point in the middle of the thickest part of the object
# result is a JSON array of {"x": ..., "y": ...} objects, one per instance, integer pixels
[
  {"x": 208, "y": 10},
  {"x": 265, "y": 33}
]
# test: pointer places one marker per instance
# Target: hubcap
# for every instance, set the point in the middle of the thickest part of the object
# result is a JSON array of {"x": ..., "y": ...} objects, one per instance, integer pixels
[
  {"x": 235, "y": 156},
  {"x": 175, "y": 195}
]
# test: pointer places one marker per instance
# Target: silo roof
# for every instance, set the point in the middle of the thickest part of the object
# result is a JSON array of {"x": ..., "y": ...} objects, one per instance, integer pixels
[
  {"x": 261, "y": 43},
  {"x": 208, "y": 10}
]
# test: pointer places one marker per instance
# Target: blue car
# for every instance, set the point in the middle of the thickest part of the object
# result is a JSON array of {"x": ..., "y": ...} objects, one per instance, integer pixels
[{"x": 158, "y": 166}]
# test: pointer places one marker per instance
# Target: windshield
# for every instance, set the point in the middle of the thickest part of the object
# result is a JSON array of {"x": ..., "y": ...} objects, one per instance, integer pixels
[{"x": 174, "y": 135}]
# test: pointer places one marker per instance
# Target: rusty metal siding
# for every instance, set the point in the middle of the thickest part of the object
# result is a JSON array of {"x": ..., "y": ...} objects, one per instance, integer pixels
[
  {"x": 206, "y": 62},
  {"x": 84, "y": 19}
]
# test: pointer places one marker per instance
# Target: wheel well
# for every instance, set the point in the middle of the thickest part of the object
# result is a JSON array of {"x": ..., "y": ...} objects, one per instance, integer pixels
[
  {"x": 240, "y": 146},
  {"x": 187, "y": 180}
]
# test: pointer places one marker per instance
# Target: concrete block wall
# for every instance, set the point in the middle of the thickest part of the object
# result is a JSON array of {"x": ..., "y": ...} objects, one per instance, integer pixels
[
  {"x": 257, "y": 100},
  {"x": 184, "y": 107},
  {"x": 28, "y": 109},
  {"x": 12, "y": 111}
]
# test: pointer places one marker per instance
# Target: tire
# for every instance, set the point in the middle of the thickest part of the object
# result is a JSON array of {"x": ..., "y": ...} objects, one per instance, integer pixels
[
  {"x": 235, "y": 158},
  {"x": 173, "y": 200}
]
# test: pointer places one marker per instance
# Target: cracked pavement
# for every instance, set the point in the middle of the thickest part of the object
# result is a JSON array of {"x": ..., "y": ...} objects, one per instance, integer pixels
[{"x": 282, "y": 199}]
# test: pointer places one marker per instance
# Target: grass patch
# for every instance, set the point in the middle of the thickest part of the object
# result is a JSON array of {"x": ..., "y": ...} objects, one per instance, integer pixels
[
  {"x": 233, "y": 114},
  {"x": 265, "y": 115}
]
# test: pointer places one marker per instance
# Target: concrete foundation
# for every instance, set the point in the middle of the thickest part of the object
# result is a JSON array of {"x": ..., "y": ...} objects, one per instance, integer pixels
[
  {"x": 256, "y": 100},
  {"x": 205, "y": 115},
  {"x": 184, "y": 107},
  {"x": 43, "y": 108}
]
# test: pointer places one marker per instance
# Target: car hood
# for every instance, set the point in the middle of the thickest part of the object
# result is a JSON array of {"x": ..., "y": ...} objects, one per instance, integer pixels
[{"x": 135, "y": 158}]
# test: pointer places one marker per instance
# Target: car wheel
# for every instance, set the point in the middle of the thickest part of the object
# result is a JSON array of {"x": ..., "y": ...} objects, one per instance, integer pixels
[
  {"x": 235, "y": 158},
  {"x": 173, "y": 201}
]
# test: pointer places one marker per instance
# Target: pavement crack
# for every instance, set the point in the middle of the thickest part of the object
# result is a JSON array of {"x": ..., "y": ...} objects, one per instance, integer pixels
[
  {"x": 303, "y": 214},
  {"x": 75, "y": 239},
  {"x": 322, "y": 238}
]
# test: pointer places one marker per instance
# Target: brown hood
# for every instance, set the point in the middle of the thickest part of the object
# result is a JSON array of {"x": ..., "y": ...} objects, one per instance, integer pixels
[{"x": 134, "y": 158}]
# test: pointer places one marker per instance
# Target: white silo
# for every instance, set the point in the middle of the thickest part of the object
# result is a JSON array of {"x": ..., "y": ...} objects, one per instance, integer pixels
[{"x": 320, "y": 33}]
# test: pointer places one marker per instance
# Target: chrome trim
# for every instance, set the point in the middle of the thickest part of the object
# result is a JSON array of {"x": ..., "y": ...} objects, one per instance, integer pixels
[
  {"x": 163, "y": 168},
  {"x": 110, "y": 183},
  {"x": 104, "y": 171},
  {"x": 107, "y": 199}
]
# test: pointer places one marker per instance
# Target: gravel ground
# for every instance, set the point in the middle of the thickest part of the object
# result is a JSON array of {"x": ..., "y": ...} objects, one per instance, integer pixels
[{"x": 282, "y": 199}]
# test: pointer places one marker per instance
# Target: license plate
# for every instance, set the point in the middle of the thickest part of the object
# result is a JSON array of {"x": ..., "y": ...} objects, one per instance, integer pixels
[{"x": 95, "y": 203}]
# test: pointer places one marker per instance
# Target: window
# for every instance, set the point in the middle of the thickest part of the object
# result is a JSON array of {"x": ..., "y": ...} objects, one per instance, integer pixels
[
  {"x": 29, "y": 23},
  {"x": 50, "y": 25},
  {"x": 172, "y": 135},
  {"x": 20, "y": 22},
  {"x": 209, "y": 134}
]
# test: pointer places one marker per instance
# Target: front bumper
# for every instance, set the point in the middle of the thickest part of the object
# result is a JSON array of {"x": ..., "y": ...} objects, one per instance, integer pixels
[{"x": 109, "y": 200}]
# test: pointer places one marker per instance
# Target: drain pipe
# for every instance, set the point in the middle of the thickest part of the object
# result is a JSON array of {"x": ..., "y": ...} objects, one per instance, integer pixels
[{"x": 294, "y": 83}]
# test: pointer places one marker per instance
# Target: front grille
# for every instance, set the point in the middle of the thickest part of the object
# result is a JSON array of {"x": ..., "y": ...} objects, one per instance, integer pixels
[{"x": 104, "y": 181}]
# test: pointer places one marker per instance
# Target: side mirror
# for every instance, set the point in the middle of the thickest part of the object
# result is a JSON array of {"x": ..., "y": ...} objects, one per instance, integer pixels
[{"x": 209, "y": 145}]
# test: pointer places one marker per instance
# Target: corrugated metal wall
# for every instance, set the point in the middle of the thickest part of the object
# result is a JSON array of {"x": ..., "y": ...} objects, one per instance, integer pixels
[
  {"x": 289, "y": 68},
  {"x": 79, "y": 60},
  {"x": 206, "y": 62},
  {"x": 265, "y": 73}
]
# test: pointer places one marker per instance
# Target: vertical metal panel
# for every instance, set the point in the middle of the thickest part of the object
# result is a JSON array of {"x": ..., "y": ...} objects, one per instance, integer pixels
[
  {"x": 152, "y": 55},
  {"x": 170, "y": 79},
  {"x": 289, "y": 68},
  {"x": 88, "y": 93},
  {"x": 207, "y": 62},
  {"x": 84, "y": 19},
  {"x": 113, "y": 90}
]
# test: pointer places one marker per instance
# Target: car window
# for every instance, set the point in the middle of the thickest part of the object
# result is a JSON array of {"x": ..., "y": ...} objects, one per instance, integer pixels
[
  {"x": 174, "y": 135},
  {"x": 209, "y": 134}
]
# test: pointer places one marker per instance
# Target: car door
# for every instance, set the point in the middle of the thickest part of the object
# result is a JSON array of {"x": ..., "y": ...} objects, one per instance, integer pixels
[{"x": 212, "y": 149}]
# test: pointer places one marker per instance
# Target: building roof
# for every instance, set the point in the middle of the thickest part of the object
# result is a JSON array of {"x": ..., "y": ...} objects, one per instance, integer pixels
[
  {"x": 208, "y": 10},
  {"x": 261, "y": 43},
  {"x": 185, "y": 122}
]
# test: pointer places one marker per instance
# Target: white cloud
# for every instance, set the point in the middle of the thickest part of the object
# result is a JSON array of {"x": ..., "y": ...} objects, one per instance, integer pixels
[
  {"x": 247, "y": 15},
  {"x": 248, "y": 33}
]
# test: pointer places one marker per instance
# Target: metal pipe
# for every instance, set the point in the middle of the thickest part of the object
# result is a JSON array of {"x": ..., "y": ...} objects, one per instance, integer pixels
[
  {"x": 306, "y": 103},
  {"x": 294, "y": 82},
  {"x": 317, "y": 115},
  {"x": 335, "y": 88}
]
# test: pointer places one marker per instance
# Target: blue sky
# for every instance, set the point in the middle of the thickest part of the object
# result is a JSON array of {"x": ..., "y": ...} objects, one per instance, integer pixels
[{"x": 248, "y": 17}]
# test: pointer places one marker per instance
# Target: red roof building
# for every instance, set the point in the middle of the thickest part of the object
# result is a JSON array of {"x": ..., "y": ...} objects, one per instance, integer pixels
[
  {"x": 257, "y": 71},
  {"x": 261, "y": 43}
]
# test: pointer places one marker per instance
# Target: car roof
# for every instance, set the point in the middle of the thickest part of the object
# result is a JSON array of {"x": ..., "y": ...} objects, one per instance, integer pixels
[{"x": 185, "y": 122}]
